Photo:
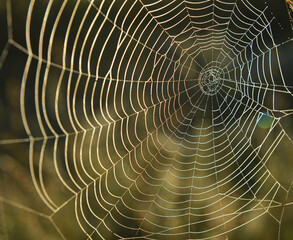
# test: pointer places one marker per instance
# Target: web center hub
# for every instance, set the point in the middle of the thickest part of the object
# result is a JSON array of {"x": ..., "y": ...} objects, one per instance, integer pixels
[{"x": 211, "y": 80}]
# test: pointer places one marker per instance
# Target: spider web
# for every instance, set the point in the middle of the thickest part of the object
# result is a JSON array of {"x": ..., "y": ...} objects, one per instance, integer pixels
[{"x": 145, "y": 119}]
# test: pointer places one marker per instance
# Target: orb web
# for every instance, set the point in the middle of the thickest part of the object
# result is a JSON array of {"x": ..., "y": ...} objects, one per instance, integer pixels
[{"x": 146, "y": 119}]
